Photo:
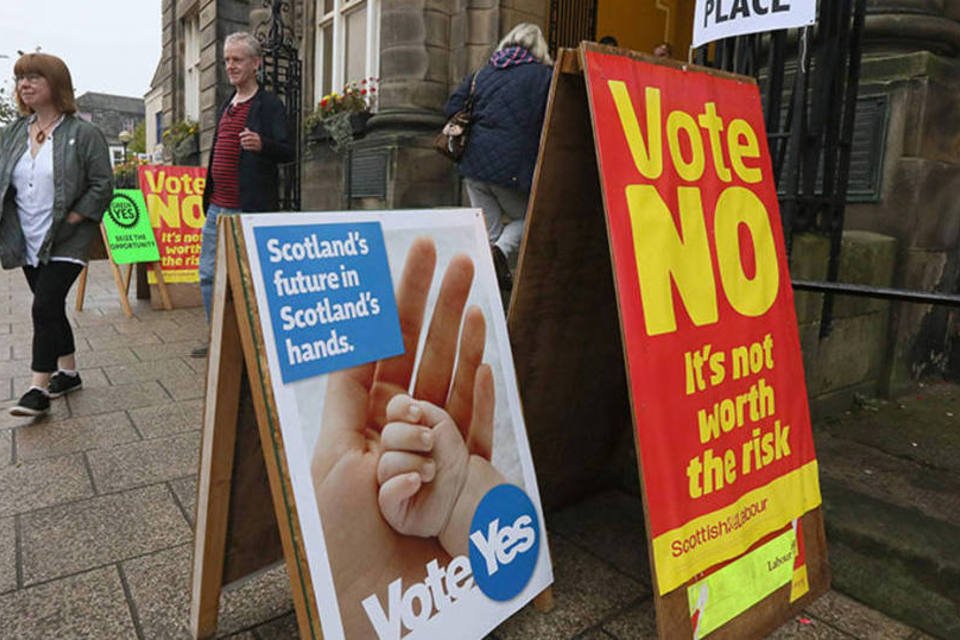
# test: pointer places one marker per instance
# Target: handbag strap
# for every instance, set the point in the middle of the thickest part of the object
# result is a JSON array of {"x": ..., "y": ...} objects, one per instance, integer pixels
[{"x": 468, "y": 104}]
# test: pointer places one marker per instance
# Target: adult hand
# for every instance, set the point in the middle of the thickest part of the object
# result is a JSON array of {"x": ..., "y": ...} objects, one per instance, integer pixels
[
  {"x": 74, "y": 218},
  {"x": 250, "y": 140},
  {"x": 365, "y": 552}
]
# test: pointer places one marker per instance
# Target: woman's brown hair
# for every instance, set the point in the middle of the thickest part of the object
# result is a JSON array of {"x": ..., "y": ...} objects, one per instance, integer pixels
[{"x": 57, "y": 75}]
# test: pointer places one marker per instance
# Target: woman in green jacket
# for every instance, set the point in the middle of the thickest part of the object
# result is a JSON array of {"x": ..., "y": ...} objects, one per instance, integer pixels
[{"x": 55, "y": 184}]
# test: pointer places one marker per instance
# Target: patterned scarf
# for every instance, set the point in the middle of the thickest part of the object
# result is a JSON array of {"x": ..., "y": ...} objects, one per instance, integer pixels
[{"x": 511, "y": 57}]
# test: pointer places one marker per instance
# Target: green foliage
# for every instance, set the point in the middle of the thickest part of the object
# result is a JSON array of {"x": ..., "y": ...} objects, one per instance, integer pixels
[
  {"x": 126, "y": 174},
  {"x": 139, "y": 142},
  {"x": 8, "y": 108}
]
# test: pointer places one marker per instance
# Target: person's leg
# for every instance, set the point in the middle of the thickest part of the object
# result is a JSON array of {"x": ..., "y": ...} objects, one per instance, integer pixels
[
  {"x": 208, "y": 257},
  {"x": 482, "y": 197},
  {"x": 513, "y": 203},
  {"x": 67, "y": 362},
  {"x": 52, "y": 334}
]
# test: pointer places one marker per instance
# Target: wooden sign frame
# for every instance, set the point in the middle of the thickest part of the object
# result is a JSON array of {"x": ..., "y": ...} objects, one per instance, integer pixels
[
  {"x": 227, "y": 519},
  {"x": 246, "y": 516},
  {"x": 100, "y": 251},
  {"x": 564, "y": 291}
]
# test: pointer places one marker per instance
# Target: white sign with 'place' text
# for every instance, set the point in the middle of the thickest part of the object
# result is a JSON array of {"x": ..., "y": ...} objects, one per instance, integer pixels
[{"x": 716, "y": 19}]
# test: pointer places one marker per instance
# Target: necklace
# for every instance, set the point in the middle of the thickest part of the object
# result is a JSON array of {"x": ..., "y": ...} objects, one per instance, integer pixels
[{"x": 42, "y": 132}]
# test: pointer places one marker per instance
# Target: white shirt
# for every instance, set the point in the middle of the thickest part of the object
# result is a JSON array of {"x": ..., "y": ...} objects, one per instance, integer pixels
[{"x": 33, "y": 180}]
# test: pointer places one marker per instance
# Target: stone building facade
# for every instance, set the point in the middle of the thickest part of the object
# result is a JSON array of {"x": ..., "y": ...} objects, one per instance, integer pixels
[
  {"x": 420, "y": 49},
  {"x": 111, "y": 114},
  {"x": 912, "y": 63}
]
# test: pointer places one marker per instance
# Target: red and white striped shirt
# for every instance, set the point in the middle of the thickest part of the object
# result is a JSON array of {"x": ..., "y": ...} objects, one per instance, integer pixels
[{"x": 226, "y": 156}]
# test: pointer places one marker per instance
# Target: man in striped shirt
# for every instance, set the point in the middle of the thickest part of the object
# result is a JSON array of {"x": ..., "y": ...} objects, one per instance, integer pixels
[{"x": 250, "y": 140}]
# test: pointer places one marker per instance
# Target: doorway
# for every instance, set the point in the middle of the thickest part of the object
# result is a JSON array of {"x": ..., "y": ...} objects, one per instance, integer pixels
[{"x": 639, "y": 25}]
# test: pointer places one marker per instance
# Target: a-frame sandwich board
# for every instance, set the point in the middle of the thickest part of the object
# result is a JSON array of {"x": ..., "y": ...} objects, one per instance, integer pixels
[
  {"x": 568, "y": 335},
  {"x": 101, "y": 251},
  {"x": 245, "y": 490},
  {"x": 246, "y": 519}
]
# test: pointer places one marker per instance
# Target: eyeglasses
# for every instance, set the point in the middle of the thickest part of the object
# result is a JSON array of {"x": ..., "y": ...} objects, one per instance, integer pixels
[{"x": 29, "y": 77}]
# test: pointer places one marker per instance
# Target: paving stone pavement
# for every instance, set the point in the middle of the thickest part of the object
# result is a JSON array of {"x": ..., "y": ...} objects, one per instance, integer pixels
[{"x": 97, "y": 505}]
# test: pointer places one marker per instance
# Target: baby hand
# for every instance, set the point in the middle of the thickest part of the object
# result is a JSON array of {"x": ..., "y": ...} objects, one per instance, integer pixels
[{"x": 422, "y": 468}]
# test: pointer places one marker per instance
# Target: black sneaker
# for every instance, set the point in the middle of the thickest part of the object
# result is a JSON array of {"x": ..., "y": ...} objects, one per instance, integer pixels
[
  {"x": 200, "y": 352},
  {"x": 33, "y": 403},
  {"x": 61, "y": 384},
  {"x": 502, "y": 267}
]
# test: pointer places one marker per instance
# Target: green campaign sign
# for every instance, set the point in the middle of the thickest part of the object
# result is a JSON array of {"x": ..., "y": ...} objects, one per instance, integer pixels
[{"x": 129, "y": 232}]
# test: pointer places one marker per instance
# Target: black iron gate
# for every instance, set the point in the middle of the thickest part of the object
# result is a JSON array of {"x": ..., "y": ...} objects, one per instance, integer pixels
[
  {"x": 281, "y": 73},
  {"x": 571, "y": 21},
  {"x": 810, "y": 126},
  {"x": 810, "y": 130}
]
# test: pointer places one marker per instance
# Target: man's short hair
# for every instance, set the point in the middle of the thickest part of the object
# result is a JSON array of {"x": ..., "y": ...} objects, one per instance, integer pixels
[{"x": 245, "y": 39}]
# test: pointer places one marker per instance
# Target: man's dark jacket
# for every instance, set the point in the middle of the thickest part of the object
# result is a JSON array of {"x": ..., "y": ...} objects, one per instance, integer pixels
[
  {"x": 508, "y": 110},
  {"x": 259, "y": 182}
]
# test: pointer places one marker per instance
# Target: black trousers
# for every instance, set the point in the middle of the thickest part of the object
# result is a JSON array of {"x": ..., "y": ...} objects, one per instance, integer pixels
[{"x": 52, "y": 335}]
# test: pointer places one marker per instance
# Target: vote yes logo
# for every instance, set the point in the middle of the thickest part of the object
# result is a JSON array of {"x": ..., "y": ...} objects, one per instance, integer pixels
[
  {"x": 504, "y": 542},
  {"x": 123, "y": 211}
]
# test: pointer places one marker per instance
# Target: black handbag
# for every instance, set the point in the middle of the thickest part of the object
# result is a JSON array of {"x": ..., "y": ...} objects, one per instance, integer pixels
[{"x": 452, "y": 139}]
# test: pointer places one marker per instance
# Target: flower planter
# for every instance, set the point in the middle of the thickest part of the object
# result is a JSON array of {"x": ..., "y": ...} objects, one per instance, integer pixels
[
  {"x": 340, "y": 129},
  {"x": 187, "y": 151}
]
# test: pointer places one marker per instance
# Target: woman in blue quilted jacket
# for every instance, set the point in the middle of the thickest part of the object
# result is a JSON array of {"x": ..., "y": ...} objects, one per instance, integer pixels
[{"x": 509, "y": 100}]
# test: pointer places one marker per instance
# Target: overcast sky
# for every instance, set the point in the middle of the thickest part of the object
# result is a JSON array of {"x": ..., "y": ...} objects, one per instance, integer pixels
[{"x": 111, "y": 46}]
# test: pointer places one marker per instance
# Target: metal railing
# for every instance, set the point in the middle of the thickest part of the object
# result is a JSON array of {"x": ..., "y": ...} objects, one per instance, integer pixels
[
  {"x": 810, "y": 131},
  {"x": 281, "y": 73}
]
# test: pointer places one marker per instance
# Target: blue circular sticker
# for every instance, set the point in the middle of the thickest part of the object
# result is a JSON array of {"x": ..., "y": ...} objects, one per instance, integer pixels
[{"x": 504, "y": 542}]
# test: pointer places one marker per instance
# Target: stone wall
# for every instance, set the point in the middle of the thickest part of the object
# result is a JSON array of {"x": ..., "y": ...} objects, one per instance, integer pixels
[
  {"x": 918, "y": 202},
  {"x": 853, "y": 358},
  {"x": 427, "y": 47},
  {"x": 217, "y": 19}
]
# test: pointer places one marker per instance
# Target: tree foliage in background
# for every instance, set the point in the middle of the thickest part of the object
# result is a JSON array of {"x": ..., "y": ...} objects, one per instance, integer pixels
[
  {"x": 8, "y": 108},
  {"x": 138, "y": 144}
]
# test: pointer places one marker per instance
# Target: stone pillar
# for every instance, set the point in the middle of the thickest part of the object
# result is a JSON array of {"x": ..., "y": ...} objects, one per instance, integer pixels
[
  {"x": 168, "y": 57},
  {"x": 910, "y": 55},
  {"x": 911, "y": 25},
  {"x": 415, "y": 55},
  {"x": 514, "y": 12},
  {"x": 211, "y": 71}
]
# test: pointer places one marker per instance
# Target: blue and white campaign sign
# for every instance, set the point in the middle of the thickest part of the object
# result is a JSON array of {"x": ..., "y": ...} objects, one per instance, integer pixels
[
  {"x": 504, "y": 539},
  {"x": 329, "y": 296},
  {"x": 377, "y": 327},
  {"x": 716, "y": 19}
]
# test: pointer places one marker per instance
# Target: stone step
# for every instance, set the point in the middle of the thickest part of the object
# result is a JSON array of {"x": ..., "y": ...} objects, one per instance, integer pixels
[
  {"x": 894, "y": 558},
  {"x": 890, "y": 478}
]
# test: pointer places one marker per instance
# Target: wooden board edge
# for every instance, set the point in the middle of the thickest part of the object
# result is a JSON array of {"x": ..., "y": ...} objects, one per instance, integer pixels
[
  {"x": 564, "y": 55},
  {"x": 117, "y": 277},
  {"x": 666, "y": 62},
  {"x": 767, "y": 614},
  {"x": 543, "y": 601},
  {"x": 580, "y": 54},
  {"x": 218, "y": 435},
  {"x": 291, "y": 537}
]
